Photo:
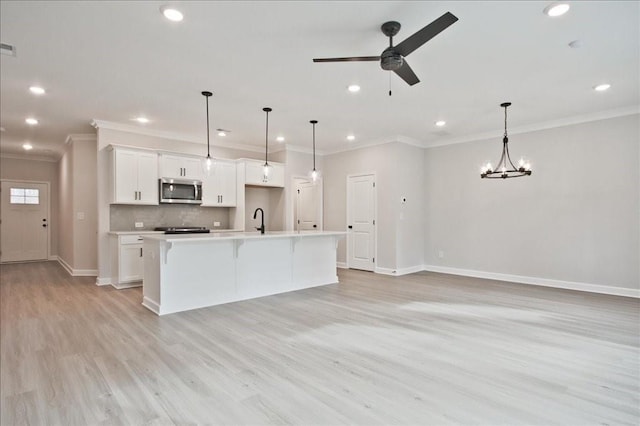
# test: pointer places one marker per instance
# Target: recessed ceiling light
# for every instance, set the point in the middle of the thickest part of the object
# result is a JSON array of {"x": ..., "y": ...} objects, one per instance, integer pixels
[
  {"x": 556, "y": 9},
  {"x": 31, "y": 121},
  {"x": 27, "y": 146},
  {"x": 280, "y": 138},
  {"x": 602, "y": 87},
  {"x": 351, "y": 138},
  {"x": 36, "y": 90},
  {"x": 171, "y": 14},
  {"x": 142, "y": 120},
  {"x": 353, "y": 88},
  {"x": 440, "y": 123}
]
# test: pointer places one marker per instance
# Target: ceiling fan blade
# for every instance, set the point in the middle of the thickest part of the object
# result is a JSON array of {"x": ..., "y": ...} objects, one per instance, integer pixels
[
  {"x": 406, "y": 73},
  {"x": 425, "y": 34},
  {"x": 352, "y": 59}
]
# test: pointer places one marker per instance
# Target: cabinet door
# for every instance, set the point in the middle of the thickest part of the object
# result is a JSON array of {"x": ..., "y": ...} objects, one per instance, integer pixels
[
  {"x": 210, "y": 195},
  {"x": 277, "y": 176},
  {"x": 253, "y": 173},
  {"x": 131, "y": 263},
  {"x": 227, "y": 184},
  {"x": 147, "y": 178},
  {"x": 180, "y": 167},
  {"x": 125, "y": 176},
  {"x": 192, "y": 168},
  {"x": 171, "y": 166}
]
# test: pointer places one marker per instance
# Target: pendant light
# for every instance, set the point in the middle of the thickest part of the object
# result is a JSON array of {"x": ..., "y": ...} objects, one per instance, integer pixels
[
  {"x": 314, "y": 173},
  {"x": 266, "y": 168},
  {"x": 505, "y": 168},
  {"x": 208, "y": 164}
]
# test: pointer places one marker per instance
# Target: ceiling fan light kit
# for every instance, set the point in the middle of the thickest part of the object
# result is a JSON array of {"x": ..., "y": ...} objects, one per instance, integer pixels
[
  {"x": 505, "y": 168},
  {"x": 393, "y": 57}
]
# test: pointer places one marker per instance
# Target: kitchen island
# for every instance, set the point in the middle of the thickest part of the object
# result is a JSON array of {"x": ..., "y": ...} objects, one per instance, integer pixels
[{"x": 190, "y": 271}]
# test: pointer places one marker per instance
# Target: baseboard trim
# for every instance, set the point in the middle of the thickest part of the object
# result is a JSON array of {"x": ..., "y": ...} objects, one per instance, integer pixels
[
  {"x": 120, "y": 286},
  {"x": 76, "y": 272},
  {"x": 53, "y": 258},
  {"x": 151, "y": 305},
  {"x": 400, "y": 271},
  {"x": 342, "y": 265},
  {"x": 543, "y": 282},
  {"x": 103, "y": 281}
]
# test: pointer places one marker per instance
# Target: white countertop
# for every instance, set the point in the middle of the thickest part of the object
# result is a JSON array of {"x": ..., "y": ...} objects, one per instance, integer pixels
[
  {"x": 239, "y": 235},
  {"x": 162, "y": 232}
]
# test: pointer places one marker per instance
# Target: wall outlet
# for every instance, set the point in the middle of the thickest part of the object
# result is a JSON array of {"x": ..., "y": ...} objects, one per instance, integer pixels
[
  {"x": 215, "y": 224},
  {"x": 441, "y": 254},
  {"x": 80, "y": 215},
  {"x": 139, "y": 225}
]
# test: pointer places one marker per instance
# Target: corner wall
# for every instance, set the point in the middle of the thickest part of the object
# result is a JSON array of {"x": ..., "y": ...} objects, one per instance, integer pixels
[{"x": 576, "y": 219}]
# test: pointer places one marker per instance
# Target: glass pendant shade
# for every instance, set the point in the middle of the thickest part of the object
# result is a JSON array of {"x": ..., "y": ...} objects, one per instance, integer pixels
[
  {"x": 505, "y": 168},
  {"x": 208, "y": 163}
]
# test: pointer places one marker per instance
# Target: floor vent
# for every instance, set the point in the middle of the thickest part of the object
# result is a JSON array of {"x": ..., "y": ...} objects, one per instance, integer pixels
[{"x": 7, "y": 49}]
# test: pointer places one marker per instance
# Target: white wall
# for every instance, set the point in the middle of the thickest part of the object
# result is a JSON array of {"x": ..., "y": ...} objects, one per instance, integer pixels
[
  {"x": 575, "y": 219},
  {"x": 65, "y": 196},
  {"x": 84, "y": 214},
  {"x": 37, "y": 171}
]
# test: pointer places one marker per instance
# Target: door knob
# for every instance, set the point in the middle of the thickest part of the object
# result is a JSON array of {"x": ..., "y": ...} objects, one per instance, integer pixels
[{"x": 350, "y": 227}]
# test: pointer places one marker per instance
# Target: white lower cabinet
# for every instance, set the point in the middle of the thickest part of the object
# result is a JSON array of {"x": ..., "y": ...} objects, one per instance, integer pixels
[
  {"x": 219, "y": 188},
  {"x": 127, "y": 266}
]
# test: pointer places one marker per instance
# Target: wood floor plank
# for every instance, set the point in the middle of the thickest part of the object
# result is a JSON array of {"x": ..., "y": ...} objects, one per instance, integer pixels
[{"x": 425, "y": 348}]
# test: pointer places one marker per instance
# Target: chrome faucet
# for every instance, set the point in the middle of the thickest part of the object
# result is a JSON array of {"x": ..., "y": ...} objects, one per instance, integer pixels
[{"x": 261, "y": 228}]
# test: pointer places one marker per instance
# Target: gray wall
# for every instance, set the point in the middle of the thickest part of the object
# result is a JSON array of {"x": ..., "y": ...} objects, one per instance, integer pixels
[{"x": 575, "y": 219}]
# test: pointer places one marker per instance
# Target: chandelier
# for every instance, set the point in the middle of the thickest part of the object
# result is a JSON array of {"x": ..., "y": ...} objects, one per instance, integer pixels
[{"x": 505, "y": 168}]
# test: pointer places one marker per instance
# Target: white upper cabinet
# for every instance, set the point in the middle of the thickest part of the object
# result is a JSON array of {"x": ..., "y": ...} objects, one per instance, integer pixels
[
  {"x": 180, "y": 167},
  {"x": 219, "y": 188},
  {"x": 134, "y": 177},
  {"x": 254, "y": 174}
]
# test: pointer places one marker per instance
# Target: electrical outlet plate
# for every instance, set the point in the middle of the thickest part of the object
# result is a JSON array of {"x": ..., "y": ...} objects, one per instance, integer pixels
[
  {"x": 139, "y": 225},
  {"x": 216, "y": 224}
]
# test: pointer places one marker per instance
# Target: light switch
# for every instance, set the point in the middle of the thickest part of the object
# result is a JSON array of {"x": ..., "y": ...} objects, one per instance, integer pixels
[{"x": 80, "y": 215}]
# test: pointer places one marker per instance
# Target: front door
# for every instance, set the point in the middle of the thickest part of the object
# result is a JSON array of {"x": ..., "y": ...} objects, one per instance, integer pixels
[
  {"x": 24, "y": 221},
  {"x": 361, "y": 208}
]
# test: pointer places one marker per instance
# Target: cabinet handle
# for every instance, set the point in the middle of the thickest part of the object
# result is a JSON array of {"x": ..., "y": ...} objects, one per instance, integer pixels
[{"x": 140, "y": 251}]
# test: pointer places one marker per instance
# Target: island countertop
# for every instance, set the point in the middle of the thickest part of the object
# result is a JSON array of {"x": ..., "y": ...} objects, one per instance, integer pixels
[{"x": 239, "y": 235}]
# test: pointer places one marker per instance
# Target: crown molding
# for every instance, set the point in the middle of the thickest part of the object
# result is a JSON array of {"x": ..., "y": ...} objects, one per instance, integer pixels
[
  {"x": 28, "y": 157},
  {"x": 101, "y": 124},
  {"x": 545, "y": 125},
  {"x": 79, "y": 137}
]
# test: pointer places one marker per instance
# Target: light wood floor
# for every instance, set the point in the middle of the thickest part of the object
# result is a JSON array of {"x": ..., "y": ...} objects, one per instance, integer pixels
[{"x": 421, "y": 349}]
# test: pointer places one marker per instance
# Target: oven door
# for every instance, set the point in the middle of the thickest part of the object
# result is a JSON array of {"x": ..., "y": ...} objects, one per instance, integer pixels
[{"x": 180, "y": 191}]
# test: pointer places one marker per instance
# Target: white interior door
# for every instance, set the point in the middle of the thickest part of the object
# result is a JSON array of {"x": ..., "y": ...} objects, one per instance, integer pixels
[
  {"x": 308, "y": 209},
  {"x": 24, "y": 221},
  {"x": 361, "y": 208}
]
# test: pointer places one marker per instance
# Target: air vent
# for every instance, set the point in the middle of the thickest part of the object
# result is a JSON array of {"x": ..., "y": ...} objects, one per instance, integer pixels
[{"x": 7, "y": 49}]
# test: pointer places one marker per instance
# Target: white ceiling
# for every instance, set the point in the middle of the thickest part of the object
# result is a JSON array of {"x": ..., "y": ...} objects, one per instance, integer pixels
[{"x": 113, "y": 61}]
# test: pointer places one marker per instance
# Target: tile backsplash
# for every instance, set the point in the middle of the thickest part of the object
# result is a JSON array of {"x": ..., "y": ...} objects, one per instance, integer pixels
[{"x": 123, "y": 217}]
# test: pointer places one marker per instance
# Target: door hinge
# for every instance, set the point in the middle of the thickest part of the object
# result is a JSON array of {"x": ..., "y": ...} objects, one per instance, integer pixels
[
  {"x": 374, "y": 260},
  {"x": 298, "y": 222},
  {"x": 374, "y": 184},
  {"x": 374, "y": 221}
]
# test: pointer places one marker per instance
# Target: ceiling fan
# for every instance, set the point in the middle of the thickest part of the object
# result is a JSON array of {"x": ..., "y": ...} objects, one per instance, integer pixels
[{"x": 392, "y": 58}]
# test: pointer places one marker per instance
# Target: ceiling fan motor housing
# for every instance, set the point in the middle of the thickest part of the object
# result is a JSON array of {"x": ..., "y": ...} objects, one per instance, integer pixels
[{"x": 390, "y": 60}]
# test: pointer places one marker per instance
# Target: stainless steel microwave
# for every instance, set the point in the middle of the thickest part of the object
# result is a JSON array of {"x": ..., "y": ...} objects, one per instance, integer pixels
[{"x": 180, "y": 191}]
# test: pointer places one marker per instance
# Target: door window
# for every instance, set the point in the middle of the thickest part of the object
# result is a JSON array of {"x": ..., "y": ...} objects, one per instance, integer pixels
[{"x": 25, "y": 196}]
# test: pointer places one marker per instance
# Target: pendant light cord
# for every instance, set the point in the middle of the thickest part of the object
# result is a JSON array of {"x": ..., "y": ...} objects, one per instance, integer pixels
[
  {"x": 314, "y": 146},
  {"x": 266, "y": 141},
  {"x": 505, "y": 121},
  {"x": 208, "y": 152}
]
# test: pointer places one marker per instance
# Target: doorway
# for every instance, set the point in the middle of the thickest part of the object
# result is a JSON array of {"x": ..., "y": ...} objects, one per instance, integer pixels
[
  {"x": 361, "y": 220},
  {"x": 308, "y": 210},
  {"x": 24, "y": 221}
]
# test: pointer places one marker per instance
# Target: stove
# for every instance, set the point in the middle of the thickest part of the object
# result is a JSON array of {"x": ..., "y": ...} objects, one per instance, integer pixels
[{"x": 183, "y": 229}]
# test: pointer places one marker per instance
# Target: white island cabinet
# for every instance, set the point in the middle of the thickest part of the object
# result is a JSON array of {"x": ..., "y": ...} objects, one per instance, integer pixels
[{"x": 183, "y": 272}]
